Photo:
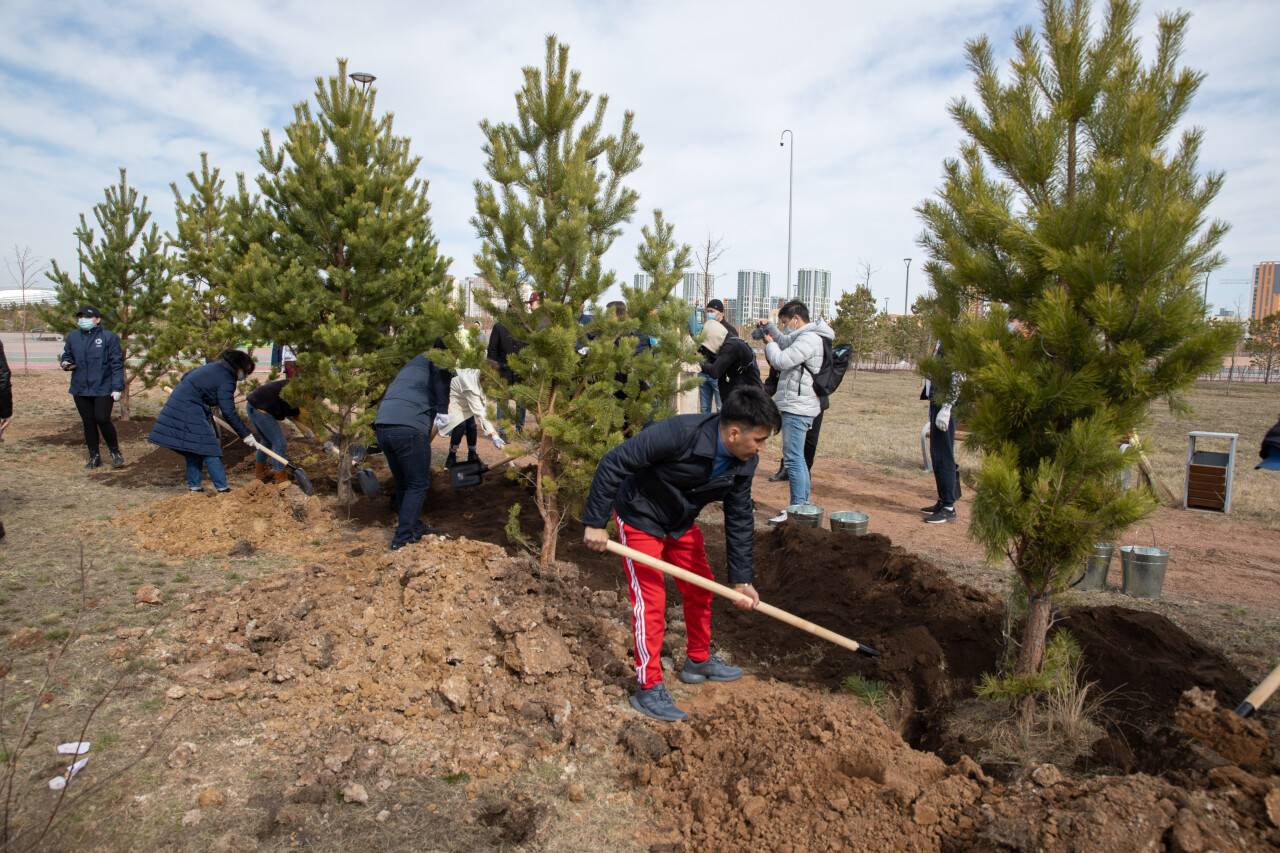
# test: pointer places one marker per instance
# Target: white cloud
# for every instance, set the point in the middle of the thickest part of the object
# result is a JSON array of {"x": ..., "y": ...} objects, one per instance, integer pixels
[{"x": 150, "y": 84}]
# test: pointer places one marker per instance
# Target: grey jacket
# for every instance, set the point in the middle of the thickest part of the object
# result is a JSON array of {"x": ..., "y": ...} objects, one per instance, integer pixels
[{"x": 797, "y": 356}]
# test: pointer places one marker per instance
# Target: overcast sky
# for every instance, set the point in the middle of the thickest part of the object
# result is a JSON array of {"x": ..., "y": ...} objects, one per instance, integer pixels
[{"x": 87, "y": 87}]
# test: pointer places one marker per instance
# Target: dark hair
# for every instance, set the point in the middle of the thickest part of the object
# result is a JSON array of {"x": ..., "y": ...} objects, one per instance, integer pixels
[
  {"x": 239, "y": 360},
  {"x": 751, "y": 407},
  {"x": 795, "y": 308},
  {"x": 716, "y": 304},
  {"x": 618, "y": 308}
]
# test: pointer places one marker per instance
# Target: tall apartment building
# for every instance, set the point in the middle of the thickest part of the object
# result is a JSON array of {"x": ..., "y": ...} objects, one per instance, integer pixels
[
  {"x": 813, "y": 288},
  {"x": 753, "y": 296},
  {"x": 465, "y": 290},
  {"x": 1266, "y": 290},
  {"x": 694, "y": 288},
  {"x": 641, "y": 279}
]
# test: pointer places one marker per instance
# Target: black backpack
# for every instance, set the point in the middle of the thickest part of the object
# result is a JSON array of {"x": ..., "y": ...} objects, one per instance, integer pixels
[{"x": 835, "y": 362}]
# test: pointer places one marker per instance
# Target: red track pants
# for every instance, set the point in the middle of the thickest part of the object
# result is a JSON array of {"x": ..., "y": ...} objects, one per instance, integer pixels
[{"x": 648, "y": 592}]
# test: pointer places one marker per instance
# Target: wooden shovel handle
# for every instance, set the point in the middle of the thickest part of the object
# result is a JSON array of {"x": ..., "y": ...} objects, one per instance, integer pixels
[
  {"x": 1261, "y": 693},
  {"x": 734, "y": 595},
  {"x": 262, "y": 447}
]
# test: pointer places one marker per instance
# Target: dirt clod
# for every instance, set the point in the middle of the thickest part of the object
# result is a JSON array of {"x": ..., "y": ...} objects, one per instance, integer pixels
[
  {"x": 354, "y": 792},
  {"x": 211, "y": 798},
  {"x": 148, "y": 594},
  {"x": 1239, "y": 740}
]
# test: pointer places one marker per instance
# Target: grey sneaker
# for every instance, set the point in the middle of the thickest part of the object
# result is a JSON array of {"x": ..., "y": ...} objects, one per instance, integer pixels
[
  {"x": 657, "y": 703},
  {"x": 117, "y": 460},
  {"x": 711, "y": 669},
  {"x": 931, "y": 508},
  {"x": 942, "y": 516}
]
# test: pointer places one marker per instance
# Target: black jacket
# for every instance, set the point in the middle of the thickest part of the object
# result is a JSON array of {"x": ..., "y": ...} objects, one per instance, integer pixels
[
  {"x": 6, "y": 387},
  {"x": 419, "y": 392},
  {"x": 734, "y": 366},
  {"x": 659, "y": 480},
  {"x": 503, "y": 345},
  {"x": 266, "y": 398},
  {"x": 1271, "y": 442}
]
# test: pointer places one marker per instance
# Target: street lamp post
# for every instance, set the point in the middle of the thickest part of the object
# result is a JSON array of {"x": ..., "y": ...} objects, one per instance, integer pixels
[
  {"x": 1206, "y": 293},
  {"x": 791, "y": 175},
  {"x": 906, "y": 293},
  {"x": 364, "y": 78}
]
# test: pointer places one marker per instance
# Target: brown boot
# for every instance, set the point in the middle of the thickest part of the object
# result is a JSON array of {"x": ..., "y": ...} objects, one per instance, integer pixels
[
  {"x": 280, "y": 476},
  {"x": 261, "y": 472}
]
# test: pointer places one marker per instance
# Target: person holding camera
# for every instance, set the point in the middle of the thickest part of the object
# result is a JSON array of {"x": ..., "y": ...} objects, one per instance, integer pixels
[
  {"x": 95, "y": 360},
  {"x": 795, "y": 354}
]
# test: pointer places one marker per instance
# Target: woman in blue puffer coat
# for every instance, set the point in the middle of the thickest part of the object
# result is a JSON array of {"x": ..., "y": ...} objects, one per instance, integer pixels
[{"x": 185, "y": 424}]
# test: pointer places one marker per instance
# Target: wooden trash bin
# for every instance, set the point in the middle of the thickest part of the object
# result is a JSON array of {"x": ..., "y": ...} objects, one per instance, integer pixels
[{"x": 1209, "y": 473}]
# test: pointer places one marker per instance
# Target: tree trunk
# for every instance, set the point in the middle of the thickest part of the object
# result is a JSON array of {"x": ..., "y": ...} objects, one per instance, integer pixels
[
  {"x": 345, "y": 494},
  {"x": 551, "y": 518},
  {"x": 1034, "y": 632},
  {"x": 26, "y": 367}
]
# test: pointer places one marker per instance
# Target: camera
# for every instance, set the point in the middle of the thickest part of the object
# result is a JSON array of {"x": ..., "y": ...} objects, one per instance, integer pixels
[{"x": 757, "y": 334}]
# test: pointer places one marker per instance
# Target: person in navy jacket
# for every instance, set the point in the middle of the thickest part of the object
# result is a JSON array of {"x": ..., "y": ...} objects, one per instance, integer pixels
[
  {"x": 95, "y": 360},
  {"x": 416, "y": 402},
  {"x": 185, "y": 424},
  {"x": 655, "y": 484}
]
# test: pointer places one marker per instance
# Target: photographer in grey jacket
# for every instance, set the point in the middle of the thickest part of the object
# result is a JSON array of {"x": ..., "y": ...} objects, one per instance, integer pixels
[{"x": 795, "y": 352}]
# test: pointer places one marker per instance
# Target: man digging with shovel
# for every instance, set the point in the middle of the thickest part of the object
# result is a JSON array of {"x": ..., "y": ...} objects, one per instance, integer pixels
[{"x": 655, "y": 484}]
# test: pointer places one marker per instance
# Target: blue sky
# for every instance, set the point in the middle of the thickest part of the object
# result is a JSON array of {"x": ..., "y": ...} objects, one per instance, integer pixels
[{"x": 87, "y": 87}]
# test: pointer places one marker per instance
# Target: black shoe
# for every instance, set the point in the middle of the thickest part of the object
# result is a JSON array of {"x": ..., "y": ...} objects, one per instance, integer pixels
[
  {"x": 95, "y": 461},
  {"x": 931, "y": 508},
  {"x": 117, "y": 461},
  {"x": 451, "y": 459},
  {"x": 780, "y": 476},
  {"x": 224, "y": 491},
  {"x": 942, "y": 516},
  {"x": 472, "y": 456},
  {"x": 421, "y": 529}
]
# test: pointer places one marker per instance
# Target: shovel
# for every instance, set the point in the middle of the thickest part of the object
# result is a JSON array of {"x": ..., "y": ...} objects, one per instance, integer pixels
[
  {"x": 1261, "y": 693},
  {"x": 466, "y": 474},
  {"x": 299, "y": 476},
  {"x": 734, "y": 595}
]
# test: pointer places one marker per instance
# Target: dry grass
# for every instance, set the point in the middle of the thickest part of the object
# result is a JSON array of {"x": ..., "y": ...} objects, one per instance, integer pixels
[{"x": 876, "y": 418}]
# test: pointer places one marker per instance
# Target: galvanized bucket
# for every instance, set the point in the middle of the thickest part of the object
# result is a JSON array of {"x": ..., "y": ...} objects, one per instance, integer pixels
[
  {"x": 1096, "y": 568},
  {"x": 850, "y": 522},
  {"x": 806, "y": 514},
  {"x": 1143, "y": 569}
]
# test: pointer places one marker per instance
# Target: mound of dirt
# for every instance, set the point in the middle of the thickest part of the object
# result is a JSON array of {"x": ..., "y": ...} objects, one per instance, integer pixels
[
  {"x": 447, "y": 659},
  {"x": 268, "y": 517},
  {"x": 1144, "y": 662},
  {"x": 1237, "y": 739},
  {"x": 935, "y": 636},
  {"x": 765, "y": 765},
  {"x": 134, "y": 429}
]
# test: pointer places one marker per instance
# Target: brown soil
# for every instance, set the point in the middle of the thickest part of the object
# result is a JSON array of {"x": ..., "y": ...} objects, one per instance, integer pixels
[
  {"x": 257, "y": 517},
  {"x": 1239, "y": 740},
  {"x": 161, "y": 466}
]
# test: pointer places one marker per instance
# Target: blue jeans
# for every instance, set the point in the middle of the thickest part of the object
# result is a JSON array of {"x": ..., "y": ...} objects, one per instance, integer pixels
[
  {"x": 709, "y": 390},
  {"x": 217, "y": 473},
  {"x": 270, "y": 434},
  {"x": 502, "y": 409},
  {"x": 408, "y": 455},
  {"x": 795, "y": 428}
]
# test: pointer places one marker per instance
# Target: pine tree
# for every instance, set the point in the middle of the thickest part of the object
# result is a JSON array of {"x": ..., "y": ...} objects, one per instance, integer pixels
[
  {"x": 855, "y": 321},
  {"x": 124, "y": 274},
  {"x": 1073, "y": 214},
  {"x": 198, "y": 321},
  {"x": 343, "y": 265},
  {"x": 551, "y": 207},
  {"x": 1264, "y": 345}
]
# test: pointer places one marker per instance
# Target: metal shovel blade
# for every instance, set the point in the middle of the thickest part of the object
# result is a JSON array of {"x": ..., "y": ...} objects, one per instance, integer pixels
[
  {"x": 301, "y": 480},
  {"x": 367, "y": 482}
]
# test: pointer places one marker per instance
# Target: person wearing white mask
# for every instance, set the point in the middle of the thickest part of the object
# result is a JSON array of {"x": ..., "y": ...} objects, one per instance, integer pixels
[{"x": 95, "y": 360}]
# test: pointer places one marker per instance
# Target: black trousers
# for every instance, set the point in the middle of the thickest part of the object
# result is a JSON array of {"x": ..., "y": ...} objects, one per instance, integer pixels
[
  {"x": 942, "y": 452},
  {"x": 408, "y": 455},
  {"x": 466, "y": 428},
  {"x": 95, "y": 414},
  {"x": 811, "y": 441}
]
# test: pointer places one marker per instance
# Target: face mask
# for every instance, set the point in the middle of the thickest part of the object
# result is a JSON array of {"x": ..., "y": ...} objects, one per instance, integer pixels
[{"x": 85, "y": 323}]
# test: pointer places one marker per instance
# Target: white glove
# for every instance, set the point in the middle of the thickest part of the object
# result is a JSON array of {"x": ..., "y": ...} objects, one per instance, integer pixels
[
  {"x": 582, "y": 350},
  {"x": 251, "y": 441},
  {"x": 442, "y": 421},
  {"x": 943, "y": 420},
  {"x": 498, "y": 442},
  {"x": 115, "y": 395}
]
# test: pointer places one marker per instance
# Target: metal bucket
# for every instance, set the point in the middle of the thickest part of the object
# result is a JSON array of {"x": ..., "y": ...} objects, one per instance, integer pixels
[
  {"x": 1096, "y": 568},
  {"x": 850, "y": 522},
  {"x": 1143, "y": 569},
  {"x": 806, "y": 514}
]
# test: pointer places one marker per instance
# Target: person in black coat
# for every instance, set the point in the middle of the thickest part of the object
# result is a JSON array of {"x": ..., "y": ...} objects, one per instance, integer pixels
[
  {"x": 6, "y": 402},
  {"x": 729, "y": 360},
  {"x": 267, "y": 408},
  {"x": 654, "y": 485},
  {"x": 416, "y": 402},
  {"x": 185, "y": 424},
  {"x": 95, "y": 360},
  {"x": 1270, "y": 450}
]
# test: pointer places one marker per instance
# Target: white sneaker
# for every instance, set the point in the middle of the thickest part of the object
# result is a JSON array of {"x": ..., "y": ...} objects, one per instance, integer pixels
[{"x": 779, "y": 518}]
